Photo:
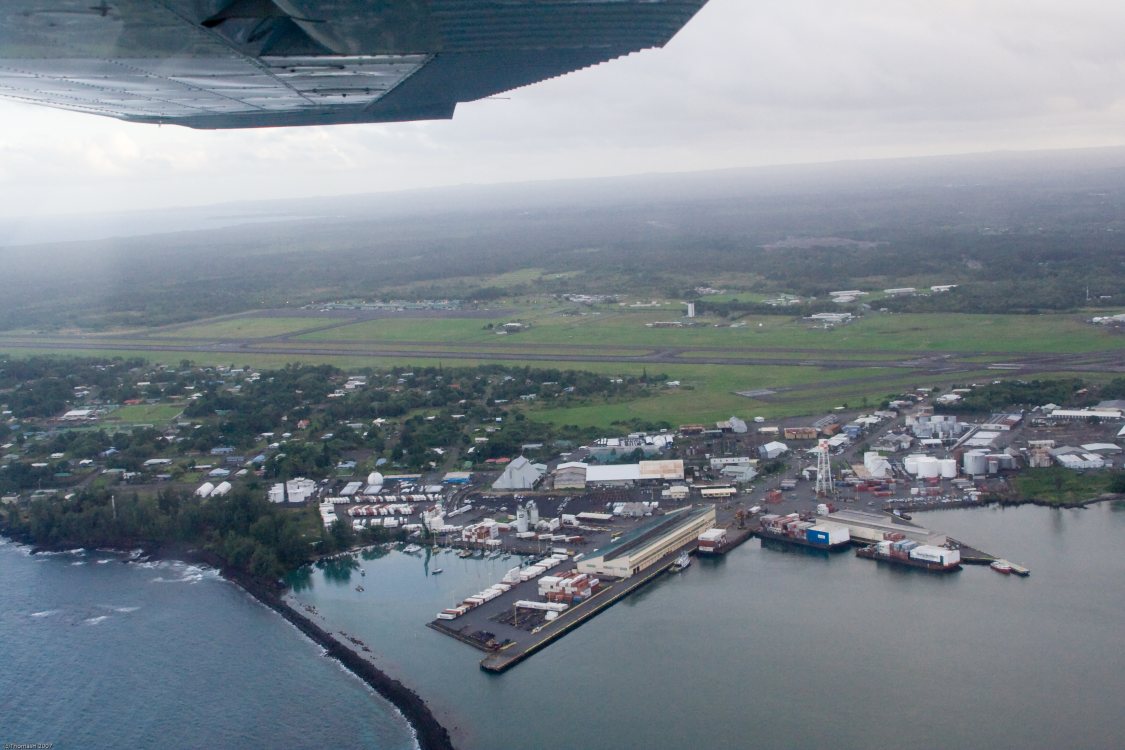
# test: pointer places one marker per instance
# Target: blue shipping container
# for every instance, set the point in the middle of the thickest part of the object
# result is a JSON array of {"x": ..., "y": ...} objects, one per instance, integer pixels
[{"x": 816, "y": 537}]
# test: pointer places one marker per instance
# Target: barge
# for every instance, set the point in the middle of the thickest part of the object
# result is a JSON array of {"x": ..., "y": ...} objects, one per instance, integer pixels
[
  {"x": 792, "y": 529},
  {"x": 914, "y": 555}
]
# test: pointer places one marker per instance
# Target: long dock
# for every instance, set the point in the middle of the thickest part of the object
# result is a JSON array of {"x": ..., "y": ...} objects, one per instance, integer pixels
[
  {"x": 610, "y": 594},
  {"x": 522, "y": 643}
]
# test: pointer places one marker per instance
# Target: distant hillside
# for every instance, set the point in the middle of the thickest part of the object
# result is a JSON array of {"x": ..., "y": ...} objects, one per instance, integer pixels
[{"x": 1018, "y": 232}]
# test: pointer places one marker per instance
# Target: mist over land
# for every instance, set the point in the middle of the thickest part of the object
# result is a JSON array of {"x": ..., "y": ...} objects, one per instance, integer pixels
[{"x": 1019, "y": 231}]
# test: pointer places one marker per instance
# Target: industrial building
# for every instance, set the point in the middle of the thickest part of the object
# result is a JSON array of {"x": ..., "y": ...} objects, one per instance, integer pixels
[
  {"x": 520, "y": 474},
  {"x": 570, "y": 475},
  {"x": 577, "y": 475},
  {"x": 871, "y": 527},
  {"x": 1071, "y": 414},
  {"x": 294, "y": 491},
  {"x": 645, "y": 545},
  {"x": 772, "y": 450},
  {"x": 876, "y": 465}
]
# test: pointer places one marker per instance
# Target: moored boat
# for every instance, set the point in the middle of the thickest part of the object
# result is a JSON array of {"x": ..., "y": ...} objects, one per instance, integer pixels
[
  {"x": 1001, "y": 566},
  {"x": 681, "y": 562},
  {"x": 912, "y": 554}
]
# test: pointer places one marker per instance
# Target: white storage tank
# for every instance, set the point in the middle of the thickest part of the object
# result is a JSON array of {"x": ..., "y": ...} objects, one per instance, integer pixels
[
  {"x": 975, "y": 462},
  {"x": 948, "y": 468},
  {"x": 928, "y": 467},
  {"x": 521, "y": 520},
  {"x": 910, "y": 463}
]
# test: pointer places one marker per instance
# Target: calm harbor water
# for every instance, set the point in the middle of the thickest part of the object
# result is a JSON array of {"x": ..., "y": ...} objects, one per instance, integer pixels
[
  {"x": 780, "y": 649},
  {"x": 96, "y": 654},
  {"x": 761, "y": 649}
]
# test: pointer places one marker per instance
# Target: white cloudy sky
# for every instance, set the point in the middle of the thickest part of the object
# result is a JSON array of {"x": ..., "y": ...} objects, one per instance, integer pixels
[{"x": 748, "y": 82}]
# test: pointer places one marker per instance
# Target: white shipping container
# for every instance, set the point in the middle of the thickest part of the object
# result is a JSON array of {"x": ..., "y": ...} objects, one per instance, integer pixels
[
  {"x": 928, "y": 553},
  {"x": 837, "y": 533}
]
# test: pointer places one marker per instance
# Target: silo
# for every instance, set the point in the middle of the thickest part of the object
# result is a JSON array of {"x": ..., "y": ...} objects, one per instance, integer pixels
[
  {"x": 533, "y": 512},
  {"x": 928, "y": 467},
  {"x": 1004, "y": 460},
  {"x": 521, "y": 519},
  {"x": 993, "y": 464},
  {"x": 975, "y": 462},
  {"x": 948, "y": 468}
]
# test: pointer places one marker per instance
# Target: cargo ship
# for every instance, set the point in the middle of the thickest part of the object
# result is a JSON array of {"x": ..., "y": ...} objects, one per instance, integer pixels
[
  {"x": 805, "y": 533},
  {"x": 914, "y": 555}
]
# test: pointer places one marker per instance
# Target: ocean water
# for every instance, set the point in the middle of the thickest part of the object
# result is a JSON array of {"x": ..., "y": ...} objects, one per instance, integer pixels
[
  {"x": 99, "y": 654},
  {"x": 760, "y": 649},
  {"x": 788, "y": 649}
]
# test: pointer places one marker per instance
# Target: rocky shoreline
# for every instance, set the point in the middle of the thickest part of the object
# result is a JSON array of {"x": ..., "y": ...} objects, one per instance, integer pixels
[{"x": 429, "y": 731}]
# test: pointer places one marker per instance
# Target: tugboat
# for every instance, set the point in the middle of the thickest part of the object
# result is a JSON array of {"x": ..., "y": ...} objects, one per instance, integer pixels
[
  {"x": 1001, "y": 566},
  {"x": 680, "y": 563}
]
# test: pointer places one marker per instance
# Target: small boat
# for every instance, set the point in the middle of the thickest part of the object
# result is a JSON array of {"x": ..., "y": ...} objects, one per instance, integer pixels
[
  {"x": 1001, "y": 566},
  {"x": 362, "y": 572},
  {"x": 494, "y": 555},
  {"x": 435, "y": 571},
  {"x": 411, "y": 549},
  {"x": 359, "y": 588},
  {"x": 465, "y": 553},
  {"x": 680, "y": 562}
]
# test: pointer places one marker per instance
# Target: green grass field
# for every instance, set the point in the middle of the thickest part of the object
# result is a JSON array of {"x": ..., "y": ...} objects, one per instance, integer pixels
[
  {"x": 240, "y": 328},
  {"x": 1059, "y": 486},
  {"x": 146, "y": 413},
  {"x": 906, "y": 332},
  {"x": 707, "y": 391}
]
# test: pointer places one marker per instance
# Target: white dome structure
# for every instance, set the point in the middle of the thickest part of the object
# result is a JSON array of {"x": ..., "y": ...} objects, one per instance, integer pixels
[{"x": 374, "y": 479}]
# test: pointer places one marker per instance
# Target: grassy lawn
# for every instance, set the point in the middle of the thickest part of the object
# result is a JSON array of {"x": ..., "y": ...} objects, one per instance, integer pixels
[
  {"x": 146, "y": 413},
  {"x": 906, "y": 332},
  {"x": 244, "y": 328},
  {"x": 1060, "y": 486},
  {"x": 478, "y": 350},
  {"x": 437, "y": 330}
]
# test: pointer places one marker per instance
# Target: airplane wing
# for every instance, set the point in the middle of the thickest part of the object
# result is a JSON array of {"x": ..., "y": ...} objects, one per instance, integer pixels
[{"x": 263, "y": 63}]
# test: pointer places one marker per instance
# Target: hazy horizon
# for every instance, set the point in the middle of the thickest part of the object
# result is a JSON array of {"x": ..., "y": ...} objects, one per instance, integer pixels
[
  {"x": 743, "y": 85},
  {"x": 70, "y": 226}
]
